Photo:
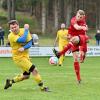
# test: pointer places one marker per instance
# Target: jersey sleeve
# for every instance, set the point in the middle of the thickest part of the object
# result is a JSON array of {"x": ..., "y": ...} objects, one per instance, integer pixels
[
  {"x": 22, "y": 39},
  {"x": 28, "y": 45},
  {"x": 29, "y": 37},
  {"x": 73, "y": 21}
]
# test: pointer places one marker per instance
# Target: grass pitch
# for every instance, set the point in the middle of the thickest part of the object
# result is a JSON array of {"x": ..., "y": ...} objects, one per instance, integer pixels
[{"x": 61, "y": 80}]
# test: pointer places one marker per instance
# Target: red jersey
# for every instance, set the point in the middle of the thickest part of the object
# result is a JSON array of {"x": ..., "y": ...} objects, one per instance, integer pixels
[{"x": 73, "y": 31}]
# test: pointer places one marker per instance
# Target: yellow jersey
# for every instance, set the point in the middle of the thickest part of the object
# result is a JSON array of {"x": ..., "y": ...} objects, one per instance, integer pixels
[
  {"x": 15, "y": 45},
  {"x": 62, "y": 36}
]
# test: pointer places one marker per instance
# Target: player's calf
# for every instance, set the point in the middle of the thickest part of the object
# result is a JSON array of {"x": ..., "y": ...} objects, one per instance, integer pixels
[{"x": 38, "y": 79}]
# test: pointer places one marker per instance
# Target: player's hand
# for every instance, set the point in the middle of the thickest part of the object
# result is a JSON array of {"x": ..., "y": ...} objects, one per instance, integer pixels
[
  {"x": 84, "y": 28},
  {"x": 87, "y": 27},
  {"x": 26, "y": 26},
  {"x": 21, "y": 49}
]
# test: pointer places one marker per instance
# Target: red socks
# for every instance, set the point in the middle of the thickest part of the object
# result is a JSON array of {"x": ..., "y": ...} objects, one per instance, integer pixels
[
  {"x": 77, "y": 70},
  {"x": 66, "y": 48}
]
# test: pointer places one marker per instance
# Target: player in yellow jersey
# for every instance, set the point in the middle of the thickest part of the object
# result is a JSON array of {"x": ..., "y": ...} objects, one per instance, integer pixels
[
  {"x": 20, "y": 41},
  {"x": 62, "y": 41}
]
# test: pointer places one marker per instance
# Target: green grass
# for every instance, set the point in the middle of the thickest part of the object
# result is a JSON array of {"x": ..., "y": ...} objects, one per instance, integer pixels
[{"x": 61, "y": 80}]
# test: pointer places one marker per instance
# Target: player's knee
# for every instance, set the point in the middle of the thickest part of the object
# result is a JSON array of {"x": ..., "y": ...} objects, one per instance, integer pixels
[
  {"x": 75, "y": 40},
  {"x": 75, "y": 59},
  {"x": 32, "y": 68},
  {"x": 26, "y": 75}
]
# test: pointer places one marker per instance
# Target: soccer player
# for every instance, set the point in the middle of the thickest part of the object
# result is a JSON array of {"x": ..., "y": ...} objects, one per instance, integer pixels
[
  {"x": 20, "y": 41},
  {"x": 78, "y": 41},
  {"x": 62, "y": 41}
]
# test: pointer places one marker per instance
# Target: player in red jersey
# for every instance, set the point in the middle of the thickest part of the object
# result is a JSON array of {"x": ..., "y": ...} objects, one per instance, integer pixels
[{"x": 78, "y": 41}]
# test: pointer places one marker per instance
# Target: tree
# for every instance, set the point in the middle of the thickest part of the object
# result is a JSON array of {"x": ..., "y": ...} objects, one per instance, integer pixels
[
  {"x": 98, "y": 14},
  {"x": 68, "y": 12},
  {"x": 56, "y": 4},
  {"x": 33, "y": 6},
  {"x": 43, "y": 17},
  {"x": 62, "y": 10},
  {"x": 1, "y": 3},
  {"x": 11, "y": 9}
]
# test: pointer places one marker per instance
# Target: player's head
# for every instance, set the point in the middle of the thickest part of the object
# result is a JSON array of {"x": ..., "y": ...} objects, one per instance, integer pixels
[
  {"x": 98, "y": 31},
  {"x": 62, "y": 26},
  {"x": 14, "y": 26},
  {"x": 80, "y": 15},
  {"x": 0, "y": 27}
]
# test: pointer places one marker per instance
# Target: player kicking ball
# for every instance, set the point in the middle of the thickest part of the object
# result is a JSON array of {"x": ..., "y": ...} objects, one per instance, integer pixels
[
  {"x": 20, "y": 41},
  {"x": 77, "y": 41}
]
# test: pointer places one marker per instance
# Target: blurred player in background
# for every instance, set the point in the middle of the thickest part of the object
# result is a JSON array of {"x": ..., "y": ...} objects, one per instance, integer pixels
[
  {"x": 78, "y": 41},
  {"x": 20, "y": 41},
  {"x": 62, "y": 40}
]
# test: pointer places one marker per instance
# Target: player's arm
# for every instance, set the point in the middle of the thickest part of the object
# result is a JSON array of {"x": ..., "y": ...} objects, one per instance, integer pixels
[
  {"x": 26, "y": 46},
  {"x": 78, "y": 27},
  {"x": 57, "y": 37},
  {"x": 23, "y": 38},
  {"x": 55, "y": 41},
  {"x": 86, "y": 27}
]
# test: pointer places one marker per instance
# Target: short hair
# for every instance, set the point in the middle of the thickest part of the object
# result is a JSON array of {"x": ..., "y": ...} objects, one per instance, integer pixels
[
  {"x": 81, "y": 12},
  {"x": 13, "y": 22}
]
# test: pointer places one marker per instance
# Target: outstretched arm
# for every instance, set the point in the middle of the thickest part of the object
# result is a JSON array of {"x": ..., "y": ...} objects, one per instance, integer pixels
[{"x": 23, "y": 38}]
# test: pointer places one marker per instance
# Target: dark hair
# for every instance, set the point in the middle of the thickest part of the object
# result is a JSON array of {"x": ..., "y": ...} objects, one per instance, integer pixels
[{"x": 13, "y": 22}]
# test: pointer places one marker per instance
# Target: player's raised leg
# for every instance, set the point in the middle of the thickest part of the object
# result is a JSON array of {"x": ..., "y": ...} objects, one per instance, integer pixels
[{"x": 73, "y": 42}]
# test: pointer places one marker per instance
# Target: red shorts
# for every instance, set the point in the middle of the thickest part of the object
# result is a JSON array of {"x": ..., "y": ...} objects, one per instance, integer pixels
[
  {"x": 82, "y": 46},
  {"x": 83, "y": 39},
  {"x": 83, "y": 43}
]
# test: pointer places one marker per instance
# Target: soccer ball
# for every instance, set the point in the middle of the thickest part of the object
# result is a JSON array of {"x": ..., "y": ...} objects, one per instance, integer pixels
[{"x": 53, "y": 60}]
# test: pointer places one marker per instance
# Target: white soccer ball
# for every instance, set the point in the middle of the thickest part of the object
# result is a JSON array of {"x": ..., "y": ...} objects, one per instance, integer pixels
[{"x": 53, "y": 60}]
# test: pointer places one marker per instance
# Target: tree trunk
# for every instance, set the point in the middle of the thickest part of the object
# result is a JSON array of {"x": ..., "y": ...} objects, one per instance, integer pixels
[
  {"x": 1, "y": 3},
  {"x": 98, "y": 15},
  {"x": 9, "y": 9},
  {"x": 69, "y": 13},
  {"x": 56, "y": 14},
  {"x": 13, "y": 10},
  {"x": 43, "y": 17},
  {"x": 62, "y": 13}
]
